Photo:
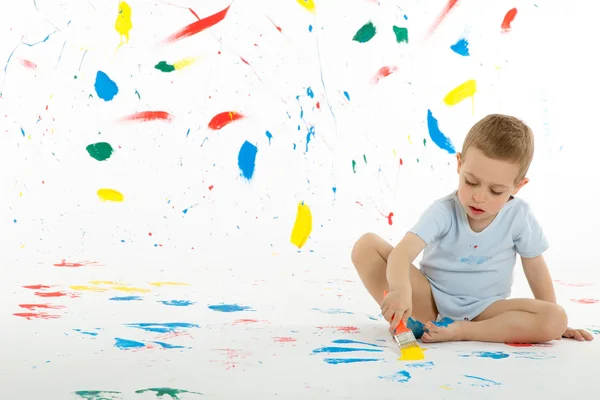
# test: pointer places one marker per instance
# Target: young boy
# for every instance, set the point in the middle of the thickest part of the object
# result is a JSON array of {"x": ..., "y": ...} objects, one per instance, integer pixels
[{"x": 470, "y": 240}]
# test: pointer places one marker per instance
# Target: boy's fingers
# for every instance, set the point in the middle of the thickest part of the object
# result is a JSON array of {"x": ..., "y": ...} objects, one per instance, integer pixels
[{"x": 587, "y": 335}]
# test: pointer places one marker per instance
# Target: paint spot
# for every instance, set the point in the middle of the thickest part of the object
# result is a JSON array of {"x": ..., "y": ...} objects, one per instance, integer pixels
[
  {"x": 424, "y": 365},
  {"x": 33, "y": 307},
  {"x": 144, "y": 116},
  {"x": 350, "y": 360},
  {"x": 333, "y": 311},
  {"x": 309, "y": 92},
  {"x": 400, "y": 376},
  {"x": 64, "y": 263},
  {"x": 269, "y": 136},
  {"x": 284, "y": 339},
  {"x": 177, "y": 303},
  {"x": 126, "y": 298},
  {"x": 222, "y": 119},
  {"x": 86, "y": 332},
  {"x": 160, "y": 392},
  {"x": 496, "y": 355},
  {"x": 585, "y": 301},
  {"x": 383, "y": 72},
  {"x": 474, "y": 260},
  {"x": 37, "y": 287},
  {"x": 100, "y": 151},
  {"x": 401, "y": 34},
  {"x": 123, "y": 23},
  {"x": 349, "y": 341},
  {"x": 28, "y": 64},
  {"x": 444, "y": 322},
  {"x": 125, "y": 344},
  {"x": 22, "y": 132},
  {"x": 461, "y": 47},
  {"x": 55, "y": 294},
  {"x": 311, "y": 132},
  {"x": 353, "y": 166},
  {"x": 246, "y": 159},
  {"x": 105, "y": 87},
  {"x": 508, "y": 19},
  {"x": 302, "y": 225},
  {"x": 347, "y": 329},
  {"x": 437, "y": 136},
  {"x": 230, "y": 308},
  {"x": 347, "y": 95},
  {"x": 198, "y": 26},
  {"x": 365, "y": 33},
  {"x": 164, "y": 67},
  {"x": 169, "y": 346},
  {"x": 36, "y": 315},
  {"x": 412, "y": 354},
  {"x": 129, "y": 289},
  {"x": 532, "y": 355},
  {"x": 461, "y": 92},
  {"x": 309, "y": 5},
  {"x": 482, "y": 382},
  {"x": 83, "y": 288},
  {"x": 168, "y": 327},
  {"x": 161, "y": 284},
  {"x": 443, "y": 14},
  {"x": 110, "y": 195},
  {"x": 98, "y": 394}
]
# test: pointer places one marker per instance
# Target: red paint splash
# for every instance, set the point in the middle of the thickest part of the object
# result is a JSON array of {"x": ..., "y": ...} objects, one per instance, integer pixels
[
  {"x": 529, "y": 344},
  {"x": 389, "y": 217},
  {"x": 37, "y": 287},
  {"x": 284, "y": 339},
  {"x": 55, "y": 294},
  {"x": 224, "y": 118},
  {"x": 573, "y": 284},
  {"x": 40, "y": 315},
  {"x": 276, "y": 27},
  {"x": 585, "y": 301},
  {"x": 359, "y": 203},
  {"x": 401, "y": 162},
  {"x": 148, "y": 116},
  {"x": 508, "y": 19},
  {"x": 441, "y": 16},
  {"x": 383, "y": 72},
  {"x": 347, "y": 329},
  {"x": 44, "y": 306},
  {"x": 211, "y": 187},
  {"x": 244, "y": 321},
  {"x": 198, "y": 26},
  {"x": 63, "y": 263},
  {"x": 28, "y": 64}
]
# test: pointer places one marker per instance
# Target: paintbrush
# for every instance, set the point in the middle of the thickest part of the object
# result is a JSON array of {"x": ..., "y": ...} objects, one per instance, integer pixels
[{"x": 406, "y": 341}]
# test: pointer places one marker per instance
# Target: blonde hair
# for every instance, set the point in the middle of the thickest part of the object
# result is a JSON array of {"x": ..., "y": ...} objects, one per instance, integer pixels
[{"x": 502, "y": 137}]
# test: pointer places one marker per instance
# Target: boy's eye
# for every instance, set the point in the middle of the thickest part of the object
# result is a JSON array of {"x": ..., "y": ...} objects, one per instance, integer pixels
[
  {"x": 495, "y": 193},
  {"x": 470, "y": 183}
]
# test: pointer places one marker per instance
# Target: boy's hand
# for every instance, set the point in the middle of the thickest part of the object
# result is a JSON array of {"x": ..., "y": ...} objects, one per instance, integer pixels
[
  {"x": 577, "y": 334},
  {"x": 397, "y": 306}
]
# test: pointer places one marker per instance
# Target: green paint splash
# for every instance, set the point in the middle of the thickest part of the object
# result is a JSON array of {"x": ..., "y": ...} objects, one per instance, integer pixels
[
  {"x": 424, "y": 142},
  {"x": 160, "y": 392},
  {"x": 100, "y": 151},
  {"x": 365, "y": 33},
  {"x": 164, "y": 67},
  {"x": 401, "y": 34},
  {"x": 365, "y": 158},
  {"x": 98, "y": 395},
  {"x": 354, "y": 166}
]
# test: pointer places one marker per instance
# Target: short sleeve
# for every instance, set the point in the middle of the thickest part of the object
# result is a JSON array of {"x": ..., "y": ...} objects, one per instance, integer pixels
[
  {"x": 433, "y": 223},
  {"x": 531, "y": 241}
]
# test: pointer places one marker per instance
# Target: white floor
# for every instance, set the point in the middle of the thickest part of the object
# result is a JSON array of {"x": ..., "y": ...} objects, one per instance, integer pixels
[{"x": 299, "y": 317}]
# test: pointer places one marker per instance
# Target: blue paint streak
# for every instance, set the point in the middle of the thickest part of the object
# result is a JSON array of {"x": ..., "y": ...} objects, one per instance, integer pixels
[
  {"x": 162, "y": 327},
  {"x": 333, "y": 311},
  {"x": 125, "y": 344},
  {"x": 532, "y": 355},
  {"x": 311, "y": 131},
  {"x": 349, "y": 360},
  {"x": 188, "y": 133},
  {"x": 246, "y": 159},
  {"x": 230, "y": 308},
  {"x": 22, "y": 132},
  {"x": 437, "y": 136},
  {"x": 86, "y": 333},
  {"x": 483, "y": 379},
  {"x": 269, "y": 136},
  {"x": 185, "y": 211},
  {"x": 400, "y": 376},
  {"x": 474, "y": 260},
  {"x": 177, "y": 303},
  {"x": 105, "y": 87},
  {"x": 487, "y": 354},
  {"x": 310, "y": 93},
  {"x": 444, "y": 322},
  {"x": 125, "y": 298},
  {"x": 347, "y": 95},
  {"x": 343, "y": 350},
  {"x": 310, "y": 28},
  {"x": 348, "y": 341},
  {"x": 169, "y": 346},
  {"x": 461, "y": 47},
  {"x": 334, "y": 190},
  {"x": 425, "y": 365}
]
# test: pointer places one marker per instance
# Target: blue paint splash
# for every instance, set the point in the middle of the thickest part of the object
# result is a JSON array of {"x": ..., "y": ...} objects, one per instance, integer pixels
[
  {"x": 444, "y": 322},
  {"x": 347, "y": 95},
  {"x": 437, "y": 136},
  {"x": 532, "y": 355},
  {"x": 169, "y": 346},
  {"x": 350, "y": 360},
  {"x": 400, "y": 376},
  {"x": 230, "y": 308},
  {"x": 22, "y": 132},
  {"x": 269, "y": 136},
  {"x": 344, "y": 350},
  {"x": 497, "y": 355},
  {"x": 125, "y": 298},
  {"x": 461, "y": 47},
  {"x": 105, "y": 87},
  {"x": 483, "y": 382},
  {"x": 348, "y": 341},
  {"x": 177, "y": 303},
  {"x": 310, "y": 93},
  {"x": 310, "y": 28},
  {"x": 125, "y": 344},
  {"x": 246, "y": 159},
  {"x": 311, "y": 131},
  {"x": 474, "y": 260},
  {"x": 333, "y": 311},
  {"x": 425, "y": 365},
  {"x": 162, "y": 327},
  {"x": 86, "y": 333}
]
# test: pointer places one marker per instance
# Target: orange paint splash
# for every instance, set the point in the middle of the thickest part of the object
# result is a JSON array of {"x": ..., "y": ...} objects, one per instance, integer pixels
[
  {"x": 198, "y": 26},
  {"x": 224, "y": 118},
  {"x": 508, "y": 19},
  {"x": 149, "y": 116},
  {"x": 383, "y": 72}
]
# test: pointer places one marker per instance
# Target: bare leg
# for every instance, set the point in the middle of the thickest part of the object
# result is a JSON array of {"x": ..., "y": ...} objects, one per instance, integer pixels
[
  {"x": 369, "y": 255},
  {"x": 506, "y": 321}
]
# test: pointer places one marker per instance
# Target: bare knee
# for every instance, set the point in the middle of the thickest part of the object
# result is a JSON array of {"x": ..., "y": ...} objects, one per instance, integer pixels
[
  {"x": 554, "y": 322},
  {"x": 364, "y": 248}
]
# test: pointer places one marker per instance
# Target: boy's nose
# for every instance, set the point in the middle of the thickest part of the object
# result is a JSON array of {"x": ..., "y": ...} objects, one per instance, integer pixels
[{"x": 479, "y": 196}]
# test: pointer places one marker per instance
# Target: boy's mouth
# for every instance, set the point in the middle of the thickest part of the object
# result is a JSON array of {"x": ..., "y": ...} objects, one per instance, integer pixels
[{"x": 476, "y": 211}]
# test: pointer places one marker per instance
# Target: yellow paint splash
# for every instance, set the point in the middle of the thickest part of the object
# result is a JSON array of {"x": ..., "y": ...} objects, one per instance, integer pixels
[
  {"x": 160, "y": 284},
  {"x": 123, "y": 23},
  {"x": 110, "y": 195},
  {"x": 409, "y": 140},
  {"x": 461, "y": 92},
  {"x": 308, "y": 4},
  {"x": 130, "y": 289},
  {"x": 83, "y": 288},
  {"x": 181, "y": 64},
  {"x": 412, "y": 354},
  {"x": 394, "y": 150},
  {"x": 446, "y": 387},
  {"x": 104, "y": 283},
  {"x": 302, "y": 226}
]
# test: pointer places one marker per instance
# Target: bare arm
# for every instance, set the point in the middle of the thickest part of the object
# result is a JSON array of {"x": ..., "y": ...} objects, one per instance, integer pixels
[
  {"x": 538, "y": 277},
  {"x": 400, "y": 259}
]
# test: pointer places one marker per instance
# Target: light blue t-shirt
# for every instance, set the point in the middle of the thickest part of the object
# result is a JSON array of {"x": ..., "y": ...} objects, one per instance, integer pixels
[{"x": 467, "y": 270}]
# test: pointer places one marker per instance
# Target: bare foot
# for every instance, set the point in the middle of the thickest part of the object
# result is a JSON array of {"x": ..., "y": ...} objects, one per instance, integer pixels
[{"x": 449, "y": 333}]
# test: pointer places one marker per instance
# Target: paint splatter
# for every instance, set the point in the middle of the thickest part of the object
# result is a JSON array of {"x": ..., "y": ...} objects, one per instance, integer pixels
[
  {"x": 100, "y": 151},
  {"x": 344, "y": 350},
  {"x": 532, "y": 355},
  {"x": 437, "y": 136},
  {"x": 401, "y": 34},
  {"x": 164, "y": 67},
  {"x": 350, "y": 360},
  {"x": 333, "y": 311},
  {"x": 347, "y": 329},
  {"x": 55, "y": 294},
  {"x": 123, "y": 23},
  {"x": 383, "y": 72},
  {"x": 86, "y": 332},
  {"x": 311, "y": 132},
  {"x": 130, "y": 289},
  {"x": 110, "y": 195},
  {"x": 269, "y": 136},
  {"x": 349, "y": 341},
  {"x": 169, "y": 346},
  {"x": 38, "y": 315},
  {"x": 179, "y": 65},
  {"x": 160, "y": 392},
  {"x": 46, "y": 306},
  {"x": 444, "y": 322},
  {"x": 230, "y": 308},
  {"x": 425, "y": 365},
  {"x": 28, "y": 64},
  {"x": 474, "y": 260},
  {"x": 496, "y": 355},
  {"x": 37, "y": 287},
  {"x": 177, "y": 303},
  {"x": 64, "y": 263},
  {"x": 309, "y": 5},
  {"x": 412, "y": 354},
  {"x": 365, "y": 33},
  {"x": 83, "y": 288},
  {"x": 161, "y": 284},
  {"x": 247, "y": 159},
  {"x": 482, "y": 382},
  {"x": 105, "y": 87},
  {"x": 125, "y": 344},
  {"x": 443, "y": 14},
  {"x": 461, "y": 92},
  {"x": 198, "y": 26},
  {"x": 168, "y": 327},
  {"x": 224, "y": 118},
  {"x": 353, "y": 166},
  {"x": 508, "y": 19},
  {"x": 302, "y": 225},
  {"x": 585, "y": 301},
  {"x": 98, "y": 394},
  {"x": 284, "y": 339},
  {"x": 461, "y": 47},
  {"x": 145, "y": 116},
  {"x": 400, "y": 376},
  {"x": 126, "y": 298}
]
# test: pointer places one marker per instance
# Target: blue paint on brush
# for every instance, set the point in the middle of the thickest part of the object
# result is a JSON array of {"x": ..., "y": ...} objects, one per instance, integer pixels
[
  {"x": 400, "y": 376},
  {"x": 496, "y": 355},
  {"x": 482, "y": 381},
  {"x": 348, "y": 341},
  {"x": 126, "y": 298},
  {"x": 125, "y": 344},
  {"x": 230, "y": 308},
  {"x": 247, "y": 159},
  {"x": 461, "y": 47},
  {"x": 343, "y": 350},
  {"x": 437, "y": 136},
  {"x": 169, "y": 346},
  {"x": 177, "y": 303},
  {"x": 425, "y": 365},
  {"x": 105, "y": 87},
  {"x": 162, "y": 327},
  {"x": 350, "y": 360}
]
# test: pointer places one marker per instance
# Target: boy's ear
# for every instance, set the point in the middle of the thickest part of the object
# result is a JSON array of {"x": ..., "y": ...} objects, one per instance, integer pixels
[
  {"x": 523, "y": 182},
  {"x": 458, "y": 162}
]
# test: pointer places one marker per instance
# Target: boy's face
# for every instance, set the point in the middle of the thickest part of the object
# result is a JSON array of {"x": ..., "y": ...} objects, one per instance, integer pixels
[{"x": 485, "y": 184}]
